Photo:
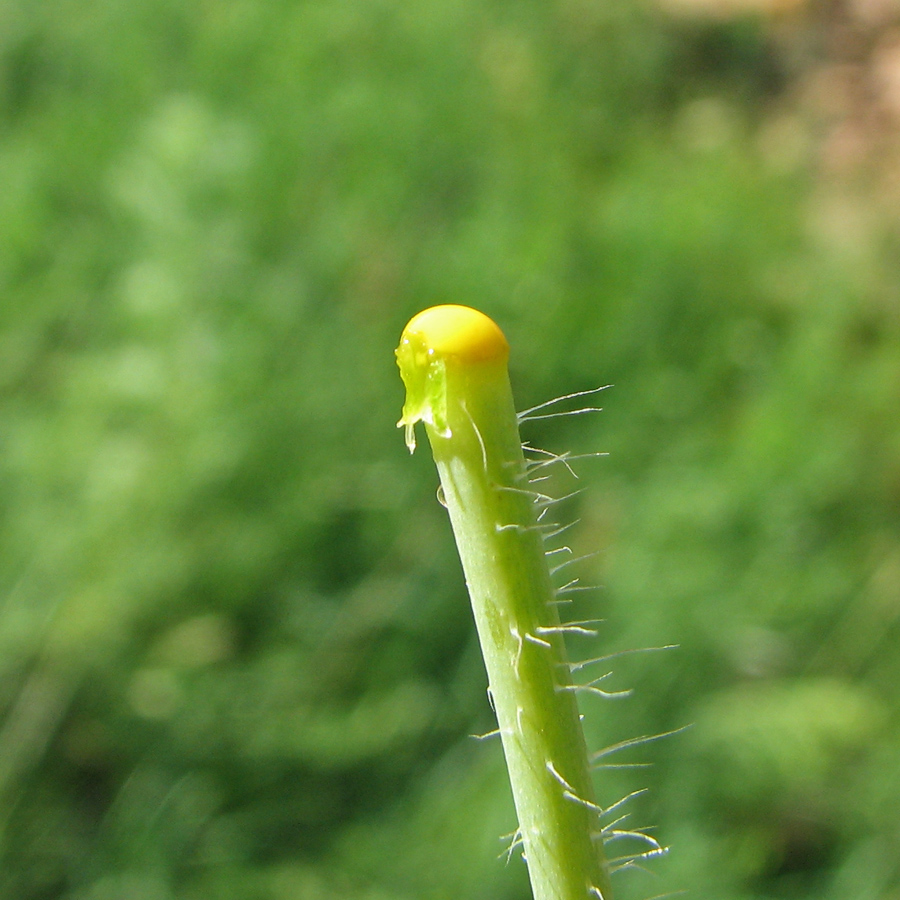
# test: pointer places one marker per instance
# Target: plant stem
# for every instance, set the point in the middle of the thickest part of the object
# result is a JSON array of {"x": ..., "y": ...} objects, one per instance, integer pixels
[{"x": 453, "y": 361}]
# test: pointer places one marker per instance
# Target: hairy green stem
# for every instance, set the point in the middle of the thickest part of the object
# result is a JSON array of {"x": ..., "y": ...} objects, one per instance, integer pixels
[{"x": 453, "y": 361}]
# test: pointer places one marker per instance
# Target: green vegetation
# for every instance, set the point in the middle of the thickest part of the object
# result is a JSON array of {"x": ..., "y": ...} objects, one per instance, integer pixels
[
  {"x": 236, "y": 659},
  {"x": 453, "y": 361}
]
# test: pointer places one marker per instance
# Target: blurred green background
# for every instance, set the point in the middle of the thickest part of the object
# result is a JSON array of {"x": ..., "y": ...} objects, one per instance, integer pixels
[{"x": 236, "y": 656}]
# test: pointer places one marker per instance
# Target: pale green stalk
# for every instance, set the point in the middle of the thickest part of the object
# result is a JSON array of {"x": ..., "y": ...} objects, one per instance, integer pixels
[{"x": 453, "y": 361}]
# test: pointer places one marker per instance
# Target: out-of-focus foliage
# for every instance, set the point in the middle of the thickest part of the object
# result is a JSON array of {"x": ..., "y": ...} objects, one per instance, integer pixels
[{"x": 236, "y": 659}]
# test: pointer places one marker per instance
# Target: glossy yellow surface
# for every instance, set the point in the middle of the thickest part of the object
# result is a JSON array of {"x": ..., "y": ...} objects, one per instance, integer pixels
[
  {"x": 436, "y": 341},
  {"x": 455, "y": 331}
]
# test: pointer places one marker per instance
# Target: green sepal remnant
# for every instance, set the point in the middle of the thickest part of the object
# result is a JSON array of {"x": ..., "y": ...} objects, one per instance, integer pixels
[{"x": 453, "y": 361}]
